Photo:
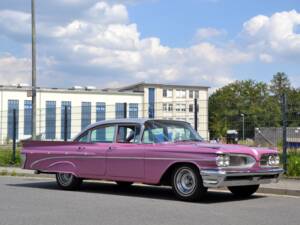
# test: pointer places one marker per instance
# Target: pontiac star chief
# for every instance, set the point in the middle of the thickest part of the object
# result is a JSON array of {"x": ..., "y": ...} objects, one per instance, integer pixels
[{"x": 155, "y": 152}]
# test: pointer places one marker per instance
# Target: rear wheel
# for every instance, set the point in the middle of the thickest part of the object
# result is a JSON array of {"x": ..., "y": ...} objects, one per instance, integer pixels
[
  {"x": 68, "y": 181},
  {"x": 243, "y": 191},
  {"x": 187, "y": 183}
]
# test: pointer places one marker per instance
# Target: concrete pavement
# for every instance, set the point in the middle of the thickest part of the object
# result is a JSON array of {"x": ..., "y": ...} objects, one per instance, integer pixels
[{"x": 30, "y": 201}]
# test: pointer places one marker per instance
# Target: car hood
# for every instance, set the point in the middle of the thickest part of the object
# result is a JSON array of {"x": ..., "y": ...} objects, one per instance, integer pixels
[{"x": 222, "y": 148}]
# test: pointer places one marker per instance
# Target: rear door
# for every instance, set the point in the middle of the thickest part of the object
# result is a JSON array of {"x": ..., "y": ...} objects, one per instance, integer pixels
[{"x": 125, "y": 157}]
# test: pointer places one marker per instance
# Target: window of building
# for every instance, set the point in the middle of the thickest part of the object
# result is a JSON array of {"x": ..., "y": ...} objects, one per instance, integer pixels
[
  {"x": 12, "y": 104},
  {"x": 183, "y": 107},
  {"x": 191, "y": 94},
  {"x": 66, "y": 105},
  {"x": 151, "y": 102},
  {"x": 27, "y": 117},
  {"x": 86, "y": 113},
  {"x": 100, "y": 111},
  {"x": 120, "y": 110},
  {"x": 197, "y": 94},
  {"x": 170, "y": 107},
  {"x": 104, "y": 134},
  {"x": 180, "y": 93},
  {"x": 167, "y": 93},
  {"x": 165, "y": 107},
  {"x": 177, "y": 108},
  {"x": 191, "y": 108},
  {"x": 50, "y": 119},
  {"x": 133, "y": 110}
]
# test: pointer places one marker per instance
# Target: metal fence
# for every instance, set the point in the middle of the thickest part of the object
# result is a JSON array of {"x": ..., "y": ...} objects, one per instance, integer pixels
[{"x": 63, "y": 123}]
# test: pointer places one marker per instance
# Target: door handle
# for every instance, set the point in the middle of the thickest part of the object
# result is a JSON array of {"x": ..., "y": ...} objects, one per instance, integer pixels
[
  {"x": 111, "y": 148},
  {"x": 80, "y": 148}
]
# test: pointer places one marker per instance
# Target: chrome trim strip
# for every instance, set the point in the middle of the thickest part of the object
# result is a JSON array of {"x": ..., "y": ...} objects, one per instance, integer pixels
[
  {"x": 124, "y": 158},
  {"x": 217, "y": 178}
]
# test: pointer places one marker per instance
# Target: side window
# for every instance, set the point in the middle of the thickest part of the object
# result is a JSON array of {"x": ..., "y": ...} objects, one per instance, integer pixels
[
  {"x": 154, "y": 135},
  {"x": 104, "y": 134},
  {"x": 84, "y": 137},
  {"x": 128, "y": 134}
]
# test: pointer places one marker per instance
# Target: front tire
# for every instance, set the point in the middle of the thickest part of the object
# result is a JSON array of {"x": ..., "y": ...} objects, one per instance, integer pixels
[
  {"x": 68, "y": 181},
  {"x": 243, "y": 191},
  {"x": 187, "y": 183}
]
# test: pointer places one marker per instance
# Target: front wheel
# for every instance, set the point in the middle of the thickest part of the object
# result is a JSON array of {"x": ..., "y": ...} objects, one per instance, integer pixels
[
  {"x": 243, "y": 191},
  {"x": 68, "y": 181},
  {"x": 187, "y": 183}
]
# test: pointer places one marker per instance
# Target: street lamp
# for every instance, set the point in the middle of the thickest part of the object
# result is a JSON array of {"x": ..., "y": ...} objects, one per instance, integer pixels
[
  {"x": 243, "y": 119},
  {"x": 33, "y": 61}
]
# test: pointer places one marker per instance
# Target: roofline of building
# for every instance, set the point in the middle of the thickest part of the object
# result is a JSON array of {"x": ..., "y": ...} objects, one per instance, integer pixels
[
  {"x": 162, "y": 85},
  {"x": 66, "y": 90}
]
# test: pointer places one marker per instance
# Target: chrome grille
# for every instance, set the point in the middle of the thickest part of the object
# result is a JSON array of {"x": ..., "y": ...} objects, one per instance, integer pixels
[{"x": 240, "y": 160}]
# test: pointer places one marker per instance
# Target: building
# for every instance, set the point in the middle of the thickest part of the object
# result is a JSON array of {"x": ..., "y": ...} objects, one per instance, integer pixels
[{"x": 85, "y": 105}]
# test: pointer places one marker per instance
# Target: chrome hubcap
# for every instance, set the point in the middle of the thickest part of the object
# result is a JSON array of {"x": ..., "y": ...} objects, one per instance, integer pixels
[
  {"x": 185, "y": 181},
  {"x": 65, "y": 179}
]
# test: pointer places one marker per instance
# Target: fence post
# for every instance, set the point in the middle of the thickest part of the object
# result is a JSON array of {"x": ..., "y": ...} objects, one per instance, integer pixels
[
  {"x": 196, "y": 114},
  {"x": 284, "y": 132},
  {"x": 125, "y": 110},
  {"x": 66, "y": 123},
  {"x": 14, "y": 135}
]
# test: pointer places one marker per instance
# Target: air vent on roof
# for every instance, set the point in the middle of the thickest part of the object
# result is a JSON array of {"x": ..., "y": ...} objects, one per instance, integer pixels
[
  {"x": 77, "y": 88},
  {"x": 90, "y": 88},
  {"x": 23, "y": 85}
]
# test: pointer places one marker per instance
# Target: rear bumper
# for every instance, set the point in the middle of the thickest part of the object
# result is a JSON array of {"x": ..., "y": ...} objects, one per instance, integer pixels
[{"x": 222, "y": 178}]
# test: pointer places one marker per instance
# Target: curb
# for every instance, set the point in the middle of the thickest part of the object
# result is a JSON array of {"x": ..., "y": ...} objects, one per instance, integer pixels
[{"x": 275, "y": 191}]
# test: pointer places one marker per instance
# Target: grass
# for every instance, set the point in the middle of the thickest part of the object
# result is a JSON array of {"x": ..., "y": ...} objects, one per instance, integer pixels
[
  {"x": 293, "y": 164},
  {"x": 6, "y": 157}
]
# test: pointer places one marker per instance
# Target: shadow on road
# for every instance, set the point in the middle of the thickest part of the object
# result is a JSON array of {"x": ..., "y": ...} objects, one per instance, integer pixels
[{"x": 141, "y": 191}]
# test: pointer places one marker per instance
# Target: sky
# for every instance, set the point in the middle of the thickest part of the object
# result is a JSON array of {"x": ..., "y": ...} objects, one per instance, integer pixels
[{"x": 113, "y": 43}]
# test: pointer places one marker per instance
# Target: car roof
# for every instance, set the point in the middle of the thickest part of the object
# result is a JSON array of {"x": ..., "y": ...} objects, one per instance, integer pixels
[{"x": 140, "y": 121}]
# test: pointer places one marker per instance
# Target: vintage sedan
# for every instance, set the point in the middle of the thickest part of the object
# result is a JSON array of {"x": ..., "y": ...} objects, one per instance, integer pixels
[{"x": 155, "y": 152}]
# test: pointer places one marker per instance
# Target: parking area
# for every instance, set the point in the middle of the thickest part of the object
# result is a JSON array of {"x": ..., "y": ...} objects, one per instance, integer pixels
[{"x": 39, "y": 201}]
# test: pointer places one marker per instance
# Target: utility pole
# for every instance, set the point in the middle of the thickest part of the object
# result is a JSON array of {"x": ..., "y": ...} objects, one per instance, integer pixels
[
  {"x": 243, "y": 117},
  {"x": 33, "y": 57}
]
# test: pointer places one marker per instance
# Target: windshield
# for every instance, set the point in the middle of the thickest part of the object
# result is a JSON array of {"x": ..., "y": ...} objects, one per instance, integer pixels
[{"x": 157, "y": 131}]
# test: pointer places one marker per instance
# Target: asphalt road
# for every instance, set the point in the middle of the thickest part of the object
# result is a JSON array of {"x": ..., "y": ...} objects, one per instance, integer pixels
[{"x": 30, "y": 201}]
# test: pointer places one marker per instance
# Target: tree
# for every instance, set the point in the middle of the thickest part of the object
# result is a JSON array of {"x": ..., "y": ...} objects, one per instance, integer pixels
[
  {"x": 280, "y": 84},
  {"x": 247, "y": 97}
]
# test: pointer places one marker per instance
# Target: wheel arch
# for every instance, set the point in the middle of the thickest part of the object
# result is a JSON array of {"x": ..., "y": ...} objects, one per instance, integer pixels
[{"x": 165, "y": 179}]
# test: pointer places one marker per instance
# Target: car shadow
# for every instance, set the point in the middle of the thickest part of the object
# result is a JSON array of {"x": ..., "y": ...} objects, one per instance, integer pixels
[{"x": 141, "y": 191}]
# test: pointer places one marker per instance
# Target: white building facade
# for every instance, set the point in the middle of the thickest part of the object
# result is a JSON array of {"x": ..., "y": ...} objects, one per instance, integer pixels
[{"x": 83, "y": 106}]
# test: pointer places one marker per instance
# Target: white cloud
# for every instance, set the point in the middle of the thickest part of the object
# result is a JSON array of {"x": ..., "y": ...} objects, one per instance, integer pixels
[
  {"x": 102, "y": 46},
  {"x": 208, "y": 32},
  {"x": 266, "y": 58},
  {"x": 274, "y": 35},
  {"x": 14, "y": 70}
]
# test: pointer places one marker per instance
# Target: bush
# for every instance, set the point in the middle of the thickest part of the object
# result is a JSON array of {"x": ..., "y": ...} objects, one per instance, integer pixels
[
  {"x": 293, "y": 166},
  {"x": 6, "y": 158}
]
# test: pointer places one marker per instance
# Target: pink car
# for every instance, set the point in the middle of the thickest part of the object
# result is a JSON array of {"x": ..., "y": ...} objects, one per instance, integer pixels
[{"x": 156, "y": 152}]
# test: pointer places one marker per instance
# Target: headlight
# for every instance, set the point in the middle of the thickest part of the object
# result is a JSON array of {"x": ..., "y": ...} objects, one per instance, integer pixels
[
  {"x": 273, "y": 160},
  {"x": 223, "y": 160},
  {"x": 269, "y": 160}
]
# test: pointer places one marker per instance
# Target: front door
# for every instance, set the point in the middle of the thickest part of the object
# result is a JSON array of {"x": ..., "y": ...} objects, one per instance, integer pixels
[{"x": 125, "y": 157}]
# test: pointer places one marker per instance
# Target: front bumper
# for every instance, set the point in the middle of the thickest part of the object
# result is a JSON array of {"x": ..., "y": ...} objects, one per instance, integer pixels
[{"x": 222, "y": 178}]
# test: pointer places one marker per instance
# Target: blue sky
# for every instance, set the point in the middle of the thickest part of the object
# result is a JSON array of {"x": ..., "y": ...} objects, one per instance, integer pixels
[{"x": 112, "y": 43}]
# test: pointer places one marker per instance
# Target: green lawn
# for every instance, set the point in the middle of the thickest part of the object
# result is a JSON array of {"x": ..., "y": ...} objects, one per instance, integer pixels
[{"x": 6, "y": 157}]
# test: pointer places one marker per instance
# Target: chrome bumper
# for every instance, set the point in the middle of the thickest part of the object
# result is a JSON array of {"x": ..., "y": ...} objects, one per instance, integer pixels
[{"x": 222, "y": 178}]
